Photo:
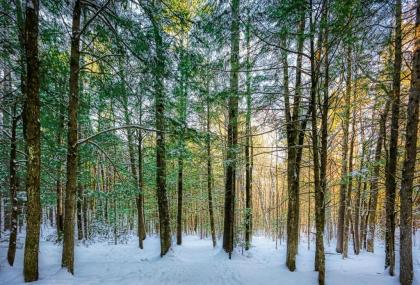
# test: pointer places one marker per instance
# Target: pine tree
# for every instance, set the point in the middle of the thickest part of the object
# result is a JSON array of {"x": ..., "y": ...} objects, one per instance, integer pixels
[{"x": 33, "y": 136}]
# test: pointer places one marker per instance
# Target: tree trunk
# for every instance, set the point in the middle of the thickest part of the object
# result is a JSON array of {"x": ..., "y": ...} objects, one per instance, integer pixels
[
  {"x": 79, "y": 208},
  {"x": 182, "y": 113},
  {"x": 13, "y": 183},
  {"x": 33, "y": 137},
  {"x": 209, "y": 172},
  {"x": 364, "y": 213},
  {"x": 85, "y": 217},
  {"x": 232, "y": 145},
  {"x": 374, "y": 187},
  {"x": 141, "y": 229},
  {"x": 133, "y": 168},
  {"x": 71, "y": 183},
  {"x": 348, "y": 203},
  {"x": 158, "y": 72},
  {"x": 59, "y": 186},
  {"x": 319, "y": 182},
  {"x": 321, "y": 185},
  {"x": 406, "y": 193},
  {"x": 179, "y": 208},
  {"x": 295, "y": 137},
  {"x": 358, "y": 198},
  {"x": 344, "y": 161},
  {"x": 248, "y": 165},
  {"x": 390, "y": 181}
]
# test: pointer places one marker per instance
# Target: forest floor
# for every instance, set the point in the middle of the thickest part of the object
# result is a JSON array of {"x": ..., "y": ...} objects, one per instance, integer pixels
[{"x": 196, "y": 262}]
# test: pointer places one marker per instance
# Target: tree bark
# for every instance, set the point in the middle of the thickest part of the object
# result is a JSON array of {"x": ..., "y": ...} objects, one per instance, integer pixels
[
  {"x": 179, "y": 201},
  {"x": 344, "y": 156},
  {"x": 349, "y": 190},
  {"x": 13, "y": 184},
  {"x": 158, "y": 72},
  {"x": 59, "y": 185},
  {"x": 358, "y": 198},
  {"x": 248, "y": 165},
  {"x": 390, "y": 181},
  {"x": 232, "y": 145},
  {"x": 79, "y": 200},
  {"x": 209, "y": 172},
  {"x": 374, "y": 187},
  {"x": 71, "y": 183},
  {"x": 141, "y": 228},
  {"x": 133, "y": 169},
  {"x": 295, "y": 137},
  {"x": 33, "y": 137},
  {"x": 319, "y": 182},
  {"x": 406, "y": 193}
]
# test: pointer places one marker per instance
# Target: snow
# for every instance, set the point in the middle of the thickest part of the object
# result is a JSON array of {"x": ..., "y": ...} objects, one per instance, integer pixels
[{"x": 196, "y": 262}]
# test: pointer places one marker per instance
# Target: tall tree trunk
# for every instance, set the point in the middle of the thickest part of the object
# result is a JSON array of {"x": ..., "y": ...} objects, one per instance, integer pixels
[
  {"x": 248, "y": 165},
  {"x": 364, "y": 212},
  {"x": 374, "y": 187},
  {"x": 182, "y": 112},
  {"x": 13, "y": 182},
  {"x": 133, "y": 168},
  {"x": 141, "y": 228},
  {"x": 58, "y": 183},
  {"x": 349, "y": 190},
  {"x": 321, "y": 184},
  {"x": 179, "y": 201},
  {"x": 406, "y": 193},
  {"x": 158, "y": 72},
  {"x": 358, "y": 198},
  {"x": 390, "y": 181},
  {"x": 33, "y": 137},
  {"x": 319, "y": 195},
  {"x": 71, "y": 183},
  {"x": 232, "y": 145},
  {"x": 344, "y": 156},
  {"x": 209, "y": 171},
  {"x": 295, "y": 137}
]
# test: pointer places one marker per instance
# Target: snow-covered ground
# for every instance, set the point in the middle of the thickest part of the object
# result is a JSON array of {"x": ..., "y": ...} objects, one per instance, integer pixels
[{"x": 196, "y": 262}]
